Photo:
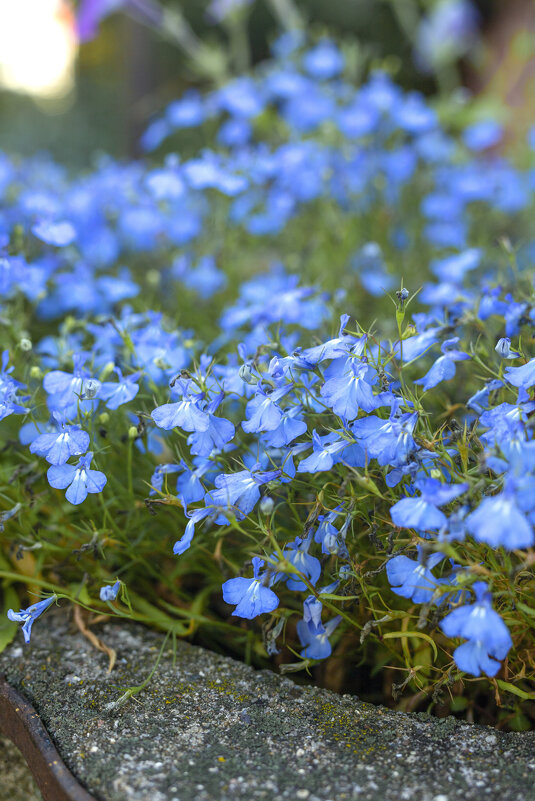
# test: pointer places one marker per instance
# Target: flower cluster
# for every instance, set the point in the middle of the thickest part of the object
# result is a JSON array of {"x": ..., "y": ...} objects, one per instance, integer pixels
[{"x": 371, "y": 472}]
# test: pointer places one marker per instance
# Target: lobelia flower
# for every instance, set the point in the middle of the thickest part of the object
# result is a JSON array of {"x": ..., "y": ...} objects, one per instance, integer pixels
[
  {"x": 296, "y": 552},
  {"x": 444, "y": 367},
  {"x": 412, "y": 579},
  {"x": 499, "y": 521},
  {"x": 79, "y": 480},
  {"x": 241, "y": 489},
  {"x": 314, "y": 636},
  {"x": 109, "y": 591},
  {"x": 27, "y": 616},
  {"x": 158, "y": 476},
  {"x": 324, "y": 61},
  {"x": 422, "y": 513},
  {"x": 333, "y": 348},
  {"x": 331, "y": 539},
  {"x": 58, "y": 447},
  {"x": 186, "y": 539},
  {"x": 312, "y": 609},
  {"x": 480, "y": 399},
  {"x": 389, "y": 441},
  {"x": 483, "y": 134},
  {"x": 59, "y": 234},
  {"x": 215, "y": 437},
  {"x": 118, "y": 393},
  {"x": 328, "y": 450},
  {"x": 290, "y": 427},
  {"x": 486, "y": 632},
  {"x": 523, "y": 376},
  {"x": 186, "y": 414},
  {"x": 66, "y": 390},
  {"x": 8, "y": 390},
  {"x": 188, "y": 485},
  {"x": 346, "y": 394},
  {"x": 251, "y": 596},
  {"x": 262, "y": 411}
]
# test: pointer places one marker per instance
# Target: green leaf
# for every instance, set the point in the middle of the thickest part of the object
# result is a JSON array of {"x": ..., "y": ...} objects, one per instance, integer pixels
[
  {"x": 526, "y": 609},
  {"x": 391, "y": 635},
  {"x": 510, "y": 688}
]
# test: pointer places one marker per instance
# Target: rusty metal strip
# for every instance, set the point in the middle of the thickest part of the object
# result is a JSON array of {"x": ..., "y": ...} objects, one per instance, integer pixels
[{"x": 22, "y": 725}]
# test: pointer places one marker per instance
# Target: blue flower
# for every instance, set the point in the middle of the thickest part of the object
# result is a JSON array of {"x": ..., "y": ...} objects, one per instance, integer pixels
[
  {"x": 389, "y": 441},
  {"x": 499, "y": 521},
  {"x": 58, "y": 447},
  {"x": 8, "y": 390},
  {"x": 351, "y": 391},
  {"x": 186, "y": 414},
  {"x": 328, "y": 450},
  {"x": 109, "y": 591},
  {"x": 333, "y": 348},
  {"x": 523, "y": 376},
  {"x": 483, "y": 134},
  {"x": 215, "y": 437},
  {"x": 66, "y": 390},
  {"x": 27, "y": 616},
  {"x": 473, "y": 657},
  {"x": 332, "y": 541},
  {"x": 485, "y": 630},
  {"x": 444, "y": 367},
  {"x": 296, "y": 552},
  {"x": 417, "y": 513},
  {"x": 262, "y": 411},
  {"x": 421, "y": 513},
  {"x": 186, "y": 539},
  {"x": 251, "y": 596},
  {"x": 118, "y": 393},
  {"x": 315, "y": 637},
  {"x": 157, "y": 477},
  {"x": 412, "y": 579},
  {"x": 79, "y": 480},
  {"x": 58, "y": 234},
  {"x": 324, "y": 61},
  {"x": 188, "y": 485},
  {"x": 241, "y": 489},
  {"x": 290, "y": 427}
]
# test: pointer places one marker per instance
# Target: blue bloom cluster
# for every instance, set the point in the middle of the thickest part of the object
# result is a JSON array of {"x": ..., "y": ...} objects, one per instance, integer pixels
[{"x": 290, "y": 433}]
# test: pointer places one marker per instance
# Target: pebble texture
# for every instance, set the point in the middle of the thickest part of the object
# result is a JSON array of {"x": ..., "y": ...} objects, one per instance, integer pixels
[{"x": 208, "y": 728}]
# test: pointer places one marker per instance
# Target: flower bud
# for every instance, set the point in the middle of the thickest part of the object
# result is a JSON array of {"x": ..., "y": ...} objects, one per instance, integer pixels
[
  {"x": 266, "y": 505},
  {"x": 503, "y": 349},
  {"x": 91, "y": 387},
  {"x": 247, "y": 375},
  {"x": 25, "y": 344}
]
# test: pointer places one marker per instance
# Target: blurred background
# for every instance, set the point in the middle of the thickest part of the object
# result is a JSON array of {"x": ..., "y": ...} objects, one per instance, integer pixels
[{"x": 81, "y": 78}]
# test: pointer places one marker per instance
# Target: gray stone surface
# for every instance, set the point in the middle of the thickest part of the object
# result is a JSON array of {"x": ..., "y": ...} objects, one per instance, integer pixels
[{"x": 211, "y": 729}]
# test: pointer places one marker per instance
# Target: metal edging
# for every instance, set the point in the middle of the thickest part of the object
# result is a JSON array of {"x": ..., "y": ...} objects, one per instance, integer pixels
[{"x": 22, "y": 725}]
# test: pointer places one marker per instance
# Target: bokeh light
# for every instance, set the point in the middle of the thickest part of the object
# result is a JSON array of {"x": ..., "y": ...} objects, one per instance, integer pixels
[{"x": 37, "y": 47}]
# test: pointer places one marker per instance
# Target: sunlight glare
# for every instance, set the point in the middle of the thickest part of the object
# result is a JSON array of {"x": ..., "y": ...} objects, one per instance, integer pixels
[{"x": 37, "y": 47}]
